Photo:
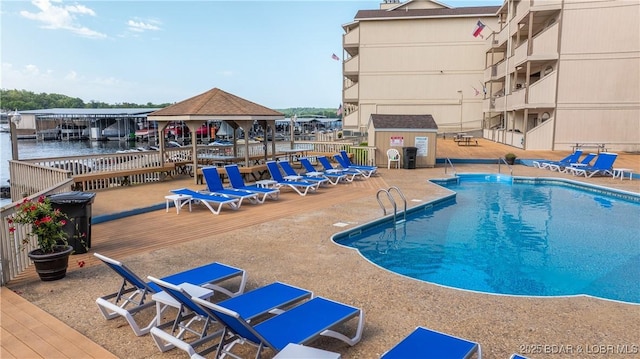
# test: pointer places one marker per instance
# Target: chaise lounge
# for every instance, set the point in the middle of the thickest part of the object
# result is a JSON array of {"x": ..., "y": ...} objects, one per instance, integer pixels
[
  {"x": 235, "y": 178},
  {"x": 427, "y": 343},
  {"x": 301, "y": 187},
  {"x": 602, "y": 167},
  {"x": 134, "y": 294},
  {"x": 292, "y": 174},
  {"x": 262, "y": 302},
  {"x": 301, "y": 324},
  {"x": 210, "y": 200},
  {"x": 333, "y": 177},
  {"x": 215, "y": 186}
]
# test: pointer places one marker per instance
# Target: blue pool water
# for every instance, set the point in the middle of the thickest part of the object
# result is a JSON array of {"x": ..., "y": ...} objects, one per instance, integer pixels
[{"x": 496, "y": 236}]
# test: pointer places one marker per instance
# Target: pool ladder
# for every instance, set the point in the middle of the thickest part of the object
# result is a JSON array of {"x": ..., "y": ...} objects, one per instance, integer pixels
[{"x": 393, "y": 203}]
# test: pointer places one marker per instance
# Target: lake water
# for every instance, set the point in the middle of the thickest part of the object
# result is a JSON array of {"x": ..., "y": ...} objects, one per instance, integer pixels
[{"x": 28, "y": 149}]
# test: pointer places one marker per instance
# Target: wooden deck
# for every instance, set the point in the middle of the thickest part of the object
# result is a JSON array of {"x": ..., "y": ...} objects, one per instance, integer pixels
[
  {"x": 27, "y": 331},
  {"x": 30, "y": 332}
]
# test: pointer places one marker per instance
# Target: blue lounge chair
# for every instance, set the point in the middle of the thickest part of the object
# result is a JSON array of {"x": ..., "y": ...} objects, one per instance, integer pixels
[
  {"x": 572, "y": 158},
  {"x": 209, "y": 199},
  {"x": 301, "y": 187},
  {"x": 586, "y": 161},
  {"x": 134, "y": 294},
  {"x": 328, "y": 168},
  {"x": 291, "y": 173},
  {"x": 235, "y": 178},
  {"x": 427, "y": 343},
  {"x": 334, "y": 178},
  {"x": 271, "y": 299},
  {"x": 215, "y": 186},
  {"x": 603, "y": 166},
  {"x": 345, "y": 162},
  {"x": 301, "y": 324}
]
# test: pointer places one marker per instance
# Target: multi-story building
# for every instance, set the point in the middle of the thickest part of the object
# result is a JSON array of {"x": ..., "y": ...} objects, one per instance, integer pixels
[
  {"x": 549, "y": 74},
  {"x": 562, "y": 73},
  {"x": 416, "y": 57}
]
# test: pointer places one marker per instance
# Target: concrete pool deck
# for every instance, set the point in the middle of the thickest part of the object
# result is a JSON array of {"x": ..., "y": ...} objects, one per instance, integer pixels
[{"x": 288, "y": 241}]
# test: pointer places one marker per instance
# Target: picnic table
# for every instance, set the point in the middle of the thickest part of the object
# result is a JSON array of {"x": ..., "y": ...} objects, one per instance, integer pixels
[{"x": 466, "y": 140}]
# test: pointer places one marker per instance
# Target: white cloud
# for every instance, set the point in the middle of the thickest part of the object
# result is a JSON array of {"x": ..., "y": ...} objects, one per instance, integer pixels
[
  {"x": 54, "y": 16},
  {"x": 226, "y": 73},
  {"x": 143, "y": 25}
]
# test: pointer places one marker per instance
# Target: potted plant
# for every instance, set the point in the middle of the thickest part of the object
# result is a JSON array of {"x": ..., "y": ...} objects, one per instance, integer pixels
[
  {"x": 510, "y": 158},
  {"x": 40, "y": 221}
]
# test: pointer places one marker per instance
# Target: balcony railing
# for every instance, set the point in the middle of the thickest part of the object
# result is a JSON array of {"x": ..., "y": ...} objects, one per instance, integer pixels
[
  {"x": 352, "y": 38},
  {"x": 501, "y": 70},
  {"x": 545, "y": 44},
  {"x": 352, "y": 65},
  {"x": 542, "y": 93},
  {"x": 500, "y": 103},
  {"x": 519, "y": 56},
  {"x": 351, "y": 93},
  {"x": 515, "y": 100}
]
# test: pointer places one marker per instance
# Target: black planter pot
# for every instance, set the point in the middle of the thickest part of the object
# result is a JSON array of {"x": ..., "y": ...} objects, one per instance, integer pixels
[{"x": 51, "y": 266}]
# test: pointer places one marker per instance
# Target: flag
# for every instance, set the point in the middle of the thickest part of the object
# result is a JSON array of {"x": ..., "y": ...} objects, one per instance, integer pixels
[
  {"x": 335, "y": 57},
  {"x": 476, "y": 91},
  {"x": 478, "y": 31},
  {"x": 339, "y": 112},
  {"x": 484, "y": 88}
]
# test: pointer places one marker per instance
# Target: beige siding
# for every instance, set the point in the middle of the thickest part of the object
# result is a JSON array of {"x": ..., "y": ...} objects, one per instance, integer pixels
[{"x": 383, "y": 143}]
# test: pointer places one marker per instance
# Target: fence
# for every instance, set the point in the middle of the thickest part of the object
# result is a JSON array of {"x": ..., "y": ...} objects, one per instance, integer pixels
[{"x": 13, "y": 253}]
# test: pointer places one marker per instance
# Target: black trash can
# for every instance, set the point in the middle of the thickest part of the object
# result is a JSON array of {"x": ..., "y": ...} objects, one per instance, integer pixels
[
  {"x": 77, "y": 206},
  {"x": 409, "y": 157}
]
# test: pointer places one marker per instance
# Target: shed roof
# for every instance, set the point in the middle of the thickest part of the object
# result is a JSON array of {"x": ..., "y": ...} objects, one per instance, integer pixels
[
  {"x": 216, "y": 102},
  {"x": 404, "y": 121}
]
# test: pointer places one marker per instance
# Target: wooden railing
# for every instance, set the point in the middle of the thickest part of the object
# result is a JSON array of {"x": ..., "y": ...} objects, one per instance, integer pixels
[
  {"x": 28, "y": 178},
  {"x": 13, "y": 252}
]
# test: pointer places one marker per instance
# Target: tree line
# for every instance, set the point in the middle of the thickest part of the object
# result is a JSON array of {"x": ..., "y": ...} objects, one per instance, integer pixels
[{"x": 23, "y": 100}]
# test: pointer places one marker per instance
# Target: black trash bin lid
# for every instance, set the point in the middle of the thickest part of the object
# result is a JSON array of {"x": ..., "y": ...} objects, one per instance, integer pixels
[{"x": 72, "y": 197}]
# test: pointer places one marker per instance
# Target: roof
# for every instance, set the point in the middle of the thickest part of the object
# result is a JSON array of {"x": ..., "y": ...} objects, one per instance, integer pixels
[
  {"x": 404, "y": 121},
  {"x": 427, "y": 13},
  {"x": 91, "y": 111},
  {"x": 216, "y": 102}
]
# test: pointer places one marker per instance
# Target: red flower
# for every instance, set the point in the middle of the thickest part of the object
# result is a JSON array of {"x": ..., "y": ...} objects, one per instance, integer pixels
[
  {"x": 12, "y": 229},
  {"x": 81, "y": 264}
]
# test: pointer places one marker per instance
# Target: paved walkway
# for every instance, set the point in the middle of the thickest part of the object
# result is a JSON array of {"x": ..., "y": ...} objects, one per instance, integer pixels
[{"x": 157, "y": 231}]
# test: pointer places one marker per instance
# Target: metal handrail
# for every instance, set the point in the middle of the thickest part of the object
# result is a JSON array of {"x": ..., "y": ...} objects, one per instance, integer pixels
[
  {"x": 500, "y": 160},
  {"x": 404, "y": 199},
  {"x": 384, "y": 208},
  {"x": 393, "y": 203},
  {"x": 447, "y": 160}
]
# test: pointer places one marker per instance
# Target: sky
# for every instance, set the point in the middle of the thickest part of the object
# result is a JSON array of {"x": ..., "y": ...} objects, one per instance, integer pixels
[{"x": 274, "y": 53}]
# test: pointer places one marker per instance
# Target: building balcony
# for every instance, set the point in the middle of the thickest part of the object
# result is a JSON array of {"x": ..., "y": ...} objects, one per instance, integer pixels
[
  {"x": 516, "y": 100},
  {"x": 545, "y": 5},
  {"x": 351, "y": 93},
  {"x": 490, "y": 73},
  {"x": 351, "y": 38},
  {"x": 501, "y": 70},
  {"x": 488, "y": 105},
  {"x": 542, "y": 93},
  {"x": 351, "y": 120},
  {"x": 351, "y": 66},
  {"x": 519, "y": 56},
  {"x": 545, "y": 45},
  {"x": 500, "y": 104}
]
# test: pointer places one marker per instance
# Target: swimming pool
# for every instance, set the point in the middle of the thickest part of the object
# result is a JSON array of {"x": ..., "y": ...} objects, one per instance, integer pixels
[{"x": 533, "y": 237}]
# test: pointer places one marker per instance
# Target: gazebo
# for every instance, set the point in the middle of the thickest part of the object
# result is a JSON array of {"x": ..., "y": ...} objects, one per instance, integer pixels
[{"x": 218, "y": 105}]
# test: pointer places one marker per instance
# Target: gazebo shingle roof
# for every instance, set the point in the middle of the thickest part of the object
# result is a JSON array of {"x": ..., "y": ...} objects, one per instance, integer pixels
[
  {"x": 216, "y": 102},
  {"x": 404, "y": 121}
]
